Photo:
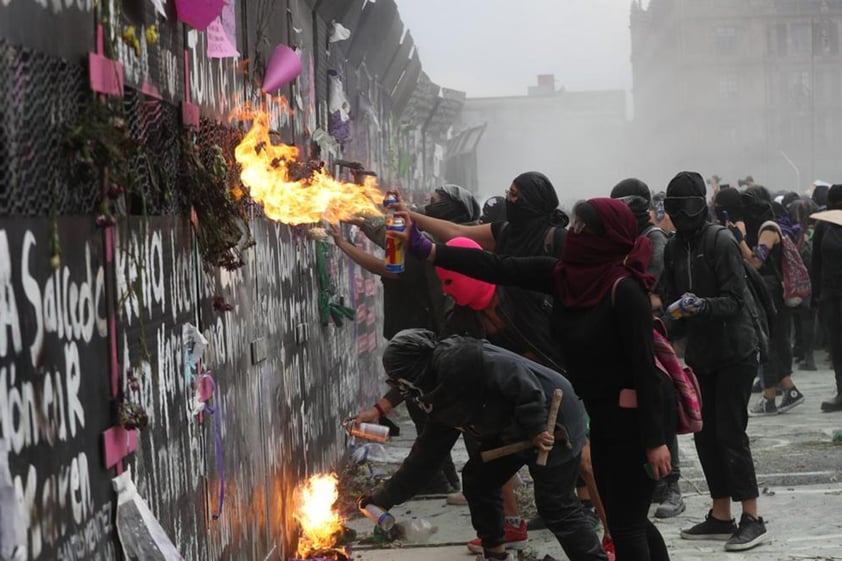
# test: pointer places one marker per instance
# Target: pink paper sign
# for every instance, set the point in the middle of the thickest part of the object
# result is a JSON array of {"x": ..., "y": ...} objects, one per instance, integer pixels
[
  {"x": 222, "y": 34},
  {"x": 198, "y": 13}
]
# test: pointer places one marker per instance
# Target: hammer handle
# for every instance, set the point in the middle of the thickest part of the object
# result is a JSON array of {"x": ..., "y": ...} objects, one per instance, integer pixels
[
  {"x": 554, "y": 405},
  {"x": 505, "y": 450}
]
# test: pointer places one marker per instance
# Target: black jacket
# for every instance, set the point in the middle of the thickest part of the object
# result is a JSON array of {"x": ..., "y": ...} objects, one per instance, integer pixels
[
  {"x": 710, "y": 265},
  {"x": 606, "y": 348},
  {"x": 827, "y": 261},
  {"x": 493, "y": 394}
]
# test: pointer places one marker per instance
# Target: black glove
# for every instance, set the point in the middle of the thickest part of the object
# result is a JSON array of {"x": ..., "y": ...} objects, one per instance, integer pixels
[{"x": 364, "y": 501}]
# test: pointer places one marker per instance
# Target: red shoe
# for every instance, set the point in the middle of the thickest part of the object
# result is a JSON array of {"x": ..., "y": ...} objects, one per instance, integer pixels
[
  {"x": 516, "y": 538},
  {"x": 608, "y": 546}
]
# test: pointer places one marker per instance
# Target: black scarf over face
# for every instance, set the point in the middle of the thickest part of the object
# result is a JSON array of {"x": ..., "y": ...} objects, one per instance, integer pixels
[
  {"x": 456, "y": 205},
  {"x": 535, "y": 211},
  {"x": 729, "y": 200},
  {"x": 757, "y": 209}
]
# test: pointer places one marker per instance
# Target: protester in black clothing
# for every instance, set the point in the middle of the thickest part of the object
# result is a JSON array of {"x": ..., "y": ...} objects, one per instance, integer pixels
[
  {"x": 804, "y": 320},
  {"x": 827, "y": 287},
  {"x": 603, "y": 323},
  {"x": 703, "y": 264},
  {"x": 498, "y": 397},
  {"x": 414, "y": 299},
  {"x": 635, "y": 193},
  {"x": 762, "y": 247}
]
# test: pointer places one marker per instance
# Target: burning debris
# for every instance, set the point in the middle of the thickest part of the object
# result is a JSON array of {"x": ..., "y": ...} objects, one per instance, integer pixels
[
  {"x": 319, "y": 519},
  {"x": 293, "y": 192}
]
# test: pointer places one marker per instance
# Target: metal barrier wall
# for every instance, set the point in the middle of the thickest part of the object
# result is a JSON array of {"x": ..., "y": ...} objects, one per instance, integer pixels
[{"x": 92, "y": 316}]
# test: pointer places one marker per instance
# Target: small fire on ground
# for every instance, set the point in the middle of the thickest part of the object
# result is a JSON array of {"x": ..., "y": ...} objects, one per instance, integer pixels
[
  {"x": 293, "y": 192},
  {"x": 318, "y": 518}
]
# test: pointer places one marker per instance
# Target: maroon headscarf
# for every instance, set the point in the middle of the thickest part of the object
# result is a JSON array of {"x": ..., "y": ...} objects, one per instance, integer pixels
[{"x": 592, "y": 263}]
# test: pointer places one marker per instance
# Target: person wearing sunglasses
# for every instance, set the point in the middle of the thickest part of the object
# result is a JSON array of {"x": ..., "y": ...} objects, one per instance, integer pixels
[{"x": 705, "y": 280}]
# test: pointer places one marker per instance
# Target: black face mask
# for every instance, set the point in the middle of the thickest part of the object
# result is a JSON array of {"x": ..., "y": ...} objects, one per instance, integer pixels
[
  {"x": 447, "y": 210},
  {"x": 688, "y": 225},
  {"x": 514, "y": 212}
]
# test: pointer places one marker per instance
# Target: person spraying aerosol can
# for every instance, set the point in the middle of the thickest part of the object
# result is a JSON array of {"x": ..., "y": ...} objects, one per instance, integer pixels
[
  {"x": 366, "y": 431},
  {"x": 395, "y": 255}
]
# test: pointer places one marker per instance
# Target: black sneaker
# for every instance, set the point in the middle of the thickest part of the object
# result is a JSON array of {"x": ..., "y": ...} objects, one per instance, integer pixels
[
  {"x": 834, "y": 404},
  {"x": 673, "y": 504},
  {"x": 763, "y": 407},
  {"x": 751, "y": 533},
  {"x": 711, "y": 529},
  {"x": 792, "y": 398}
]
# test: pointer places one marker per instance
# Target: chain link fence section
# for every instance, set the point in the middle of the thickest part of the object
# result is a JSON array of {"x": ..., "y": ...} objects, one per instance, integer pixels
[
  {"x": 156, "y": 126},
  {"x": 39, "y": 95}
]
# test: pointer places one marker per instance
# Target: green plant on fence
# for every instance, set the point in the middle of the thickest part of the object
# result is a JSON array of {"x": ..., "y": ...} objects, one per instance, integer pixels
[
  {"x": 330, "y": 305},
  {"x": 219, "y": 203}
]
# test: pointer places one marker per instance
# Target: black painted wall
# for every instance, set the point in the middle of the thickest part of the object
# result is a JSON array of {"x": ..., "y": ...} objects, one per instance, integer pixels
[{"x": 118, "y": 300}]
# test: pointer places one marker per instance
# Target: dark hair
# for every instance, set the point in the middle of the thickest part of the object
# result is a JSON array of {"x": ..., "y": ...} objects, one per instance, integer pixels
[{"x": 586, "y": 212}]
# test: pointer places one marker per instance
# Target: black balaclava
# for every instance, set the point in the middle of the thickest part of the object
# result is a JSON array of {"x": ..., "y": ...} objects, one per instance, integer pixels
[
  {"x": 820, "y": 195},
  {"x": 728, "y": 201},
  {"x": 635, "y": 193},
  {"x": 757, "y": 209},
  {"x": 535, "y": 210},
  {"x": 834, "y": 197},
  {"x": 456, "y": 205},
  {"x": 687, "y": 184},
  {"x": 407, "y": 360},
  {"x": 494, "y": 210}
]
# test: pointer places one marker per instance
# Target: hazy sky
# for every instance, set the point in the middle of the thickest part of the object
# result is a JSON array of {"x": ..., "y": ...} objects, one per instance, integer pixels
[{"x": 498, "y": 47}]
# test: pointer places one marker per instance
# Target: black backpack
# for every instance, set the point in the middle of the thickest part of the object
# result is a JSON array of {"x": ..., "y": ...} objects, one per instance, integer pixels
[{"x": 759, "y": 302}]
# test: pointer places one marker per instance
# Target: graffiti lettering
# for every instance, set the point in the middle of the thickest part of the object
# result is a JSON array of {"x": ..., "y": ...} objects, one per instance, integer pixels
[{"x": 57, "y": 414}]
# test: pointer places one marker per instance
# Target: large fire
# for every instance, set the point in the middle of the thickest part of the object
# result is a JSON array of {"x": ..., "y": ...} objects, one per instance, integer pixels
[
  {"x": 266, "y": 171},
  {"x": 319, "y": 520}
]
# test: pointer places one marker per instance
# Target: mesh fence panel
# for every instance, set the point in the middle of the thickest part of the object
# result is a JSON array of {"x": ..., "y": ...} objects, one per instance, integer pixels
[
  {"x": 39, "y": 95},
  {"x": 156, "y": 126}
]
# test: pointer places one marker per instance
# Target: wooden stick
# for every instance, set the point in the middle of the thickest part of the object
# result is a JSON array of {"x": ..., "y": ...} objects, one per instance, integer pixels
[
  {"x": 505, "y": 450},
  {"x": 554, "y": 405},
  {"x": 516, "y": 447}
]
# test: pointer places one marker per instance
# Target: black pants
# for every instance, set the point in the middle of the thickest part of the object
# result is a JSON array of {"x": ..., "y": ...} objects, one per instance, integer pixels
[
  {"x": 804, "y": 323},
  {"x": 625, "y": 488},
  {"x": 447, "y": 473},
  {"x": 779, "y": 364},
  {"x": 555, "y": 498},
  {"x": 830, "y": 309},
  {"x": 722, "y": 444}
]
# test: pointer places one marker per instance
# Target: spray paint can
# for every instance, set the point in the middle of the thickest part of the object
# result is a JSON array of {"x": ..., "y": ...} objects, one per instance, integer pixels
[
  {"x": 382, "y": 518},
  {"x": 389, "y": 200},
  {"x": 369, "y": 431},
  {"x": 395, "y": 257}
]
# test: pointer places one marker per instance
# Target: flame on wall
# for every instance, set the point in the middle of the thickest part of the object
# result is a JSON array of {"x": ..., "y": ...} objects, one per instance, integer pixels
[{"x": 265, "y": 170}]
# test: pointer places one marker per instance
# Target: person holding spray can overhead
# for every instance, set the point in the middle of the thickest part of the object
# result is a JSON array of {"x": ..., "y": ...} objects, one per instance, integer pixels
[{"x": 412, "y": 298}]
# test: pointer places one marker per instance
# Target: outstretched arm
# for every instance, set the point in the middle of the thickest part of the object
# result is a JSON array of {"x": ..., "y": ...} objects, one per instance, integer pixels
[
  {"x": 444, "y": 230},
  {"x": 365, "y": 260}
]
